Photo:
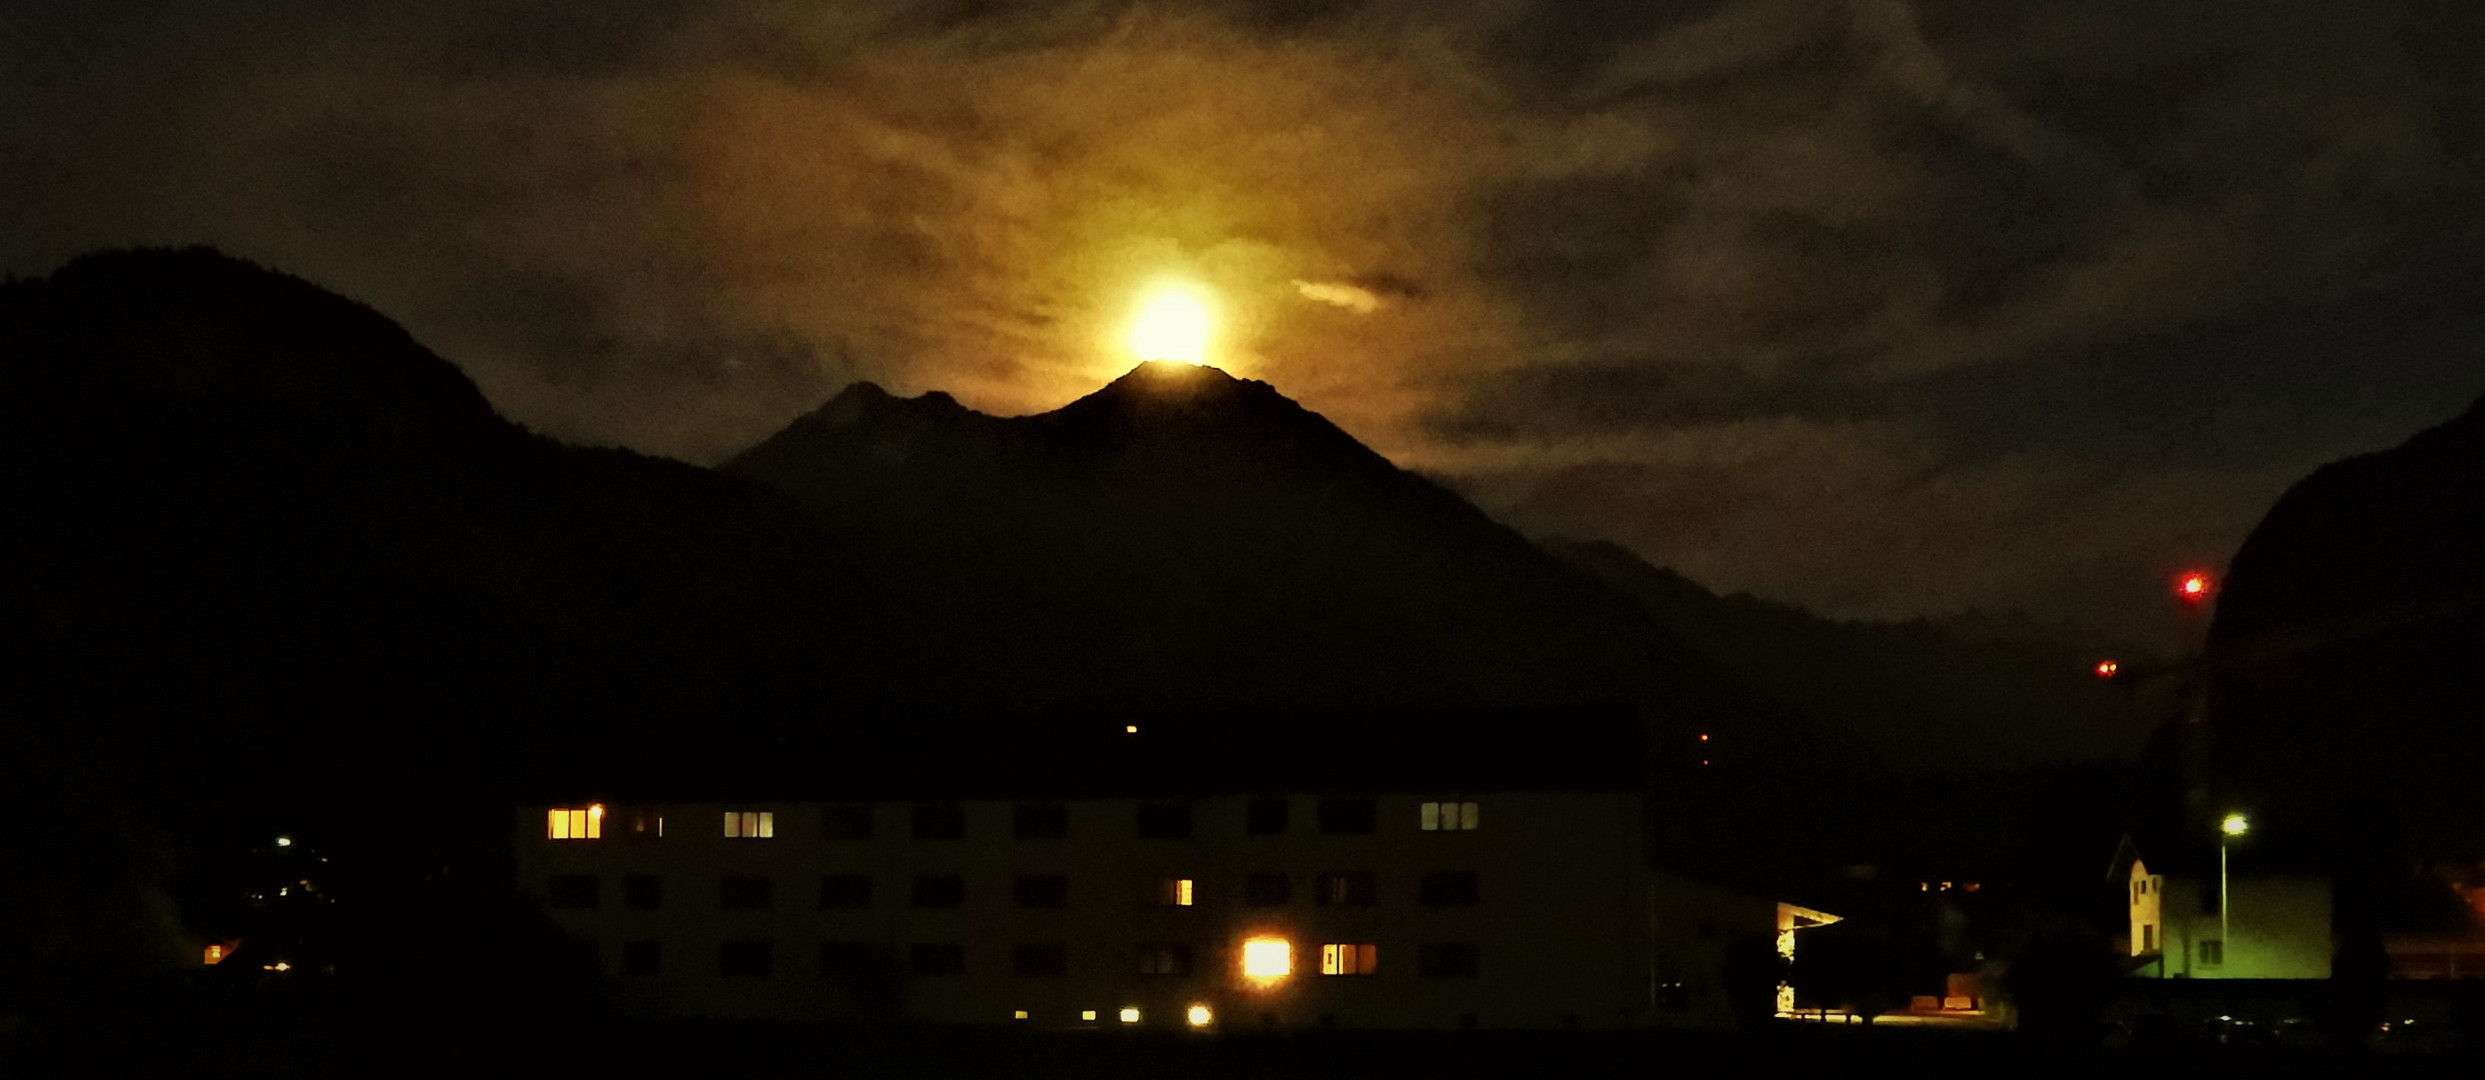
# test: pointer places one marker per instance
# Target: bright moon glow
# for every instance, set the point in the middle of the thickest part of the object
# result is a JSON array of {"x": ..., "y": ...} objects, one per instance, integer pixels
[{"x": 1172, "y": 324}]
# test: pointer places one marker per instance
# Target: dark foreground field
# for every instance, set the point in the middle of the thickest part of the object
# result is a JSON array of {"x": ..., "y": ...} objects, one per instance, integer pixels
[{"x": 257, "y": 1038}]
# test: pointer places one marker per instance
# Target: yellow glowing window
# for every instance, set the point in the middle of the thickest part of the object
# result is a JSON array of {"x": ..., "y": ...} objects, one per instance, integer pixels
[
  {"x": 1448, "y": 816},
  {"x": 1168, "y": 892},
  {"x": 1267, "y": 958},
  {"x": 1130, "y": 1014},
  {"x": 1019, "y": 1014},
  {"x": 1087, "y": 1014},
  {"x": 1180, "y": 892},
  {"x": 566, "y": 824},
  {"x": 751, "y": 824},
  {"x": 1349, "y": 959}
]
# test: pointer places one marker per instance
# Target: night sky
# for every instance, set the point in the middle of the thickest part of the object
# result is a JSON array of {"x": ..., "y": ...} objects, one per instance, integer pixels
[{"x": 1886, "y": 308}]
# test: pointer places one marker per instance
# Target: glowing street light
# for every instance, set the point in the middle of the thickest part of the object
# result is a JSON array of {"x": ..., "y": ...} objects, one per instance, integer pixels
[
  {"x": 1199, "y": 1016},
  {"x": 2231, "y": 827}
]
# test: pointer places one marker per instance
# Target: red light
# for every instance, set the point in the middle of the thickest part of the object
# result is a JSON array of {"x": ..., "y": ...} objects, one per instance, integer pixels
[
  {"x": 2107, "y": 668},
  {"x": 1703, "y": 737},
  {"x": 2192, "y": 587}
]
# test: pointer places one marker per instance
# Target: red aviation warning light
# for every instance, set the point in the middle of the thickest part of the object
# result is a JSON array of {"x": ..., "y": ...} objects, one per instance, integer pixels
[
  {"x": 2192, "y": 587},
  {"x": 2106, "y": 669}
]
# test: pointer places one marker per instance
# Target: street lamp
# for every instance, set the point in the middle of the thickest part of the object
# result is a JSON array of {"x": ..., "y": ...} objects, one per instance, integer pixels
[{"x": 2234, "y": 825}]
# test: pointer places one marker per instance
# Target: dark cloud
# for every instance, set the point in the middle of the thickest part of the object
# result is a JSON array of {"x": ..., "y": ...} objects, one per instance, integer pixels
[{"x": 1884, "y": 306}]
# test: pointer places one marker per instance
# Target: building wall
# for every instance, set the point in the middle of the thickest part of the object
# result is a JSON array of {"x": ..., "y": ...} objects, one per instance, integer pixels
[
  {"x": 1559, "y": 928},
  {"x": 2281, "y": 927},
  {"x": 2146, "y": 894}
]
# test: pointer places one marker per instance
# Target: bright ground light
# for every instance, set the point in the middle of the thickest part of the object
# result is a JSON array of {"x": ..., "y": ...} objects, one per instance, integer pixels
[{"x": 1172, "y": 324}]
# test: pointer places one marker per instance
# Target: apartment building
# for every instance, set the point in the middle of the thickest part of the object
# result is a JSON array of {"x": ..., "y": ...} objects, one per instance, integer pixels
[{"x": 1404, "y": 873}]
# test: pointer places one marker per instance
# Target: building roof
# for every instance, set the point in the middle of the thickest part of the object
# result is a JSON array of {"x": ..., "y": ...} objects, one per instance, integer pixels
[{"x": 1192, "y": 754}]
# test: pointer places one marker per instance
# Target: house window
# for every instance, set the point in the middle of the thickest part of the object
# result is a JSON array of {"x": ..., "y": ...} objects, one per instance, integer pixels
[
  {"x": 1447, "y": 888},
  {"x": 939, "y": 821},
  {"x": 642, "y": 891},
  {"x": 1039, "y": 960},
  {"x": 572, "y": 891},
  {"x": 1167, "y": 892},
  {"x": 1040, "y": 891},
  {"x": 1164, "y": 821},
  {"x": 1267, "y": 958},
  {"x": 1351, "y": 888},
  {"x": 583, "y": 823},
  {"x": 751, "y": 824},
  {"x": 1039, "y": 821},
  {"x": 2148, "y": 937},
  {"x": 1347, "y": 816},
  {"x": 1445, "y": 960},
  {"x": 1349, "y": 959},
  {"x": 939, "y": 891},
  {"x": 1447, "y": 817},
  {"x": 845, "y": 891},
  {"x": 850, "y": 821},
  {"x": 746, "y": 891},
  {"x": 850, "y": 959},
  {"x": 1266, "y": 817},
  {"x": 1267, "y": 889},
  {"x": 642, "y": 958},
  {"x": 2212, "y": 953},
  {"x": 643, "y": 825},
  {"x": 746, "y": 959},
  {"x": 1164, "y": 959},
  {"x": 936, "y": 958}
]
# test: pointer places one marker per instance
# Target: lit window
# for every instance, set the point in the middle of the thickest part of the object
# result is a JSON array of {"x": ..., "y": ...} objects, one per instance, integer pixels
[
  {"x": 751, "y": 824},
  {"x": 1130, "y": 1014},
  {"x": 1267, "y": 958},
  {"x": 1087, "y": 1014},
  {"x": 1349, "y": 959},
  {"x": 1200, "y": 1016},
  {"x": 1164, "y": 959},
  {"x": 1448, "y": 816},
  {"x": 582, "y": 824},
  {"x": 1168, "y": 892},
  {"x": 1018, "y": 1014}
]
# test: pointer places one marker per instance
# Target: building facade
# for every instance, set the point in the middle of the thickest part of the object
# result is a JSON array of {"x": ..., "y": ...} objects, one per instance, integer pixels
[
  {"x": 2244, "y": 926},
  {"x": 1151, "y": 892}
]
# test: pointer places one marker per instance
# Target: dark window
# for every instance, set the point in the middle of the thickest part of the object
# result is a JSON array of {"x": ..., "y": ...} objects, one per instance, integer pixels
[
  {"x": 1039, "y": 821},
  {"x": 845, "y": 891},
  {"x": 642, "y": 958},
  {"x": 2212, "y": 953},
  {"x": 936, "y": 958},
  {"x": 1353, "y": 888},
  {"x": 939, "y": 821},
  {"x": 1445, "y": 960},
  {"x": 939, "y": 890},
  {"x": 1265, "y": 817},
  {"x": 1267, "y": 890},
  {"x": 850, "y": 822},
  {"x": 1040, "y": 890},
  {"x": 572, "y": 891},
  {"x": 1448, "y": 888},
  {"x": 747, "y": 891},
  {"x": 642, "y": 825},
  {"x": 1165, "y": 821},
  {"x": 1348, "y": 816},
  {"x": 644, "y": 891},
  {"x": 851, "y": 959},
  {"x": 1164, "y": 959},
  {"x": 1045, "y": 960},
  {"x": 746, "y": 959}
]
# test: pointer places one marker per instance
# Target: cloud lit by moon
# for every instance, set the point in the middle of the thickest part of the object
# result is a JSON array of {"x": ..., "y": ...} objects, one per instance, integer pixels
[{"x": 1885, "y": 308}]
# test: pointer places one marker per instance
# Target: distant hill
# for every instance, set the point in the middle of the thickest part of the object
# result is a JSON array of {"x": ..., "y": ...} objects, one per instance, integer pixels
[
  {"x": 1922, "y": 696},
  {"x": 2346, "y": 679}
]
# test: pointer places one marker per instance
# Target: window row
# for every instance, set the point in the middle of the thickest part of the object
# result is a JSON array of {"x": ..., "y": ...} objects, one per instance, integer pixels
[
  {"x": 1028, "y": 821},
  {"x": 1348, "y": 888},
  {"x": 757, "y": 958}
]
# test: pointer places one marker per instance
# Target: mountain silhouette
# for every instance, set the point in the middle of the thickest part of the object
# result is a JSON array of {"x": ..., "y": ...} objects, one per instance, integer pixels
[{"x": 2344, "y": 676}]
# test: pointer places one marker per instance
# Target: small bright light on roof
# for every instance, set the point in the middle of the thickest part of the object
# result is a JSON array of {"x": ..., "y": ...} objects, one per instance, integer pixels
[
  {"x": 1130, "y": 1014},
  {"x": 1199, "y": 1016},
  {"x": 2235, "y": 825},
  {"x": 284, "y": 841}
]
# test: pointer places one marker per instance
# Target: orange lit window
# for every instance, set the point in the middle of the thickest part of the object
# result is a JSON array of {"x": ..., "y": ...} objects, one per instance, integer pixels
[
  {"x": 1168, "y": 892},
  {"x": 1267, "y": 958},
  {"x": 1349, "y": 959},
  {"x": 582, "y": 824},
  {"x": 750, "y": 824},
  {"x": 1448, "y": 816}
]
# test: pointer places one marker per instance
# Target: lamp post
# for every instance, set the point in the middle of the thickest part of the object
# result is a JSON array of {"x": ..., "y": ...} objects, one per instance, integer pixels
[{"x": 2233, "y": 826}]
